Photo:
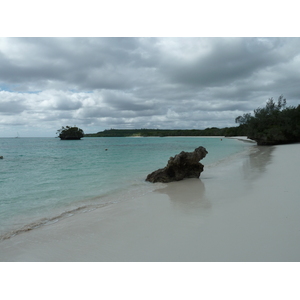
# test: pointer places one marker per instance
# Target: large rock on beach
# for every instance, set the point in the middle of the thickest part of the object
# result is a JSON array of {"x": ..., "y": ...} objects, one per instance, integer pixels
[{"x": 182, "y": 165}]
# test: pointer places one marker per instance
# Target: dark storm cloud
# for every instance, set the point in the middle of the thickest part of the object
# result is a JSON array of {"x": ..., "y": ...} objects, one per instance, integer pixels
[{"x": 147, "y": 82}]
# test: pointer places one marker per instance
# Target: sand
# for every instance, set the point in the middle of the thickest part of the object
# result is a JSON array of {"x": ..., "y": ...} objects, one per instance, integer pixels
[{"x": 244, "y": 210}]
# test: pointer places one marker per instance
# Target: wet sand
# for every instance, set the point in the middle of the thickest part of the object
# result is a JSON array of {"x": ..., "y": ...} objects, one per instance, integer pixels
[{"x": 246, "y": 209}]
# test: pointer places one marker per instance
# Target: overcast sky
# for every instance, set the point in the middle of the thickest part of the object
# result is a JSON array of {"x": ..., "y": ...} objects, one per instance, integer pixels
[{"x": 167, "y": 83}]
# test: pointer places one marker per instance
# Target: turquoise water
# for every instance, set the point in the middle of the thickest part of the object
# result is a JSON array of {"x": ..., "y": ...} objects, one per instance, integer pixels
[{"x": 43, "y": 179}]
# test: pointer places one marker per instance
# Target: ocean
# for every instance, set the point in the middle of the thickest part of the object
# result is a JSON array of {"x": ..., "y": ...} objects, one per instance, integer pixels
[{"x": 45, "y": 179}]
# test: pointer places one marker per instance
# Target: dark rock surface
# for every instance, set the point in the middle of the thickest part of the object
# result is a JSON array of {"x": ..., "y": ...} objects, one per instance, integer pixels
[{"x": 182, "y": 165}]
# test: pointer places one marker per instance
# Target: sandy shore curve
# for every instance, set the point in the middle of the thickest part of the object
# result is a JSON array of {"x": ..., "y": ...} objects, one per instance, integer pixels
[{"x": 244, "y": 210}]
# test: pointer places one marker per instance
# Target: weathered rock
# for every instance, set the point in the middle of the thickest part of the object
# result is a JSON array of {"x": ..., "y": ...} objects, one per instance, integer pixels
[{"x": 182, "y": 165}]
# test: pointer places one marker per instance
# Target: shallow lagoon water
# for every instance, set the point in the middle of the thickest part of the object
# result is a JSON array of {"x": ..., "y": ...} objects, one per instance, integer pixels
[{"x": 43, "y": 179}]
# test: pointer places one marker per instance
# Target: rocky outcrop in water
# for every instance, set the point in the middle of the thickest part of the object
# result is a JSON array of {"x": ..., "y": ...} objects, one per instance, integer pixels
[{"x": 182, "y": 165}]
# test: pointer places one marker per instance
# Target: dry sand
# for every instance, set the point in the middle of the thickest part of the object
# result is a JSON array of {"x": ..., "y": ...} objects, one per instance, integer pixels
[{"x": 246, "y": 209}]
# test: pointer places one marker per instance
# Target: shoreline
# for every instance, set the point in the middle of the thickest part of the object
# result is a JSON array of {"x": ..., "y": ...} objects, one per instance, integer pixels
[
  {"x": 87, "y": 203},
  {"x": 238, "y": 211},
  {"x": 241, "y": 138}
]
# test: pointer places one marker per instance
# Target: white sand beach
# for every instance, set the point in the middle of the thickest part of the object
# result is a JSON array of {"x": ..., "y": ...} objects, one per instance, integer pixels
[{"x": 244, "y": 210}]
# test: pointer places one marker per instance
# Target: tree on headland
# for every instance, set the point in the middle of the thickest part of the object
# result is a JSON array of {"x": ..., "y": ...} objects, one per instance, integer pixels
[
  {"x": 70, "y": 133},
  {"x": 273, "y": 124}
]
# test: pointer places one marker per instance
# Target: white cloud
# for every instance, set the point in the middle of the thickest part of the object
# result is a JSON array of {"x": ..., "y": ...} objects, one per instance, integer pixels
[{"x": 100, "y": 83}]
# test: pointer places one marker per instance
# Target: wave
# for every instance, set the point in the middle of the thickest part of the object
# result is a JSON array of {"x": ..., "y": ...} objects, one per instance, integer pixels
[
  {"x": 48, "y": 221},
  {"x": 135, "y": 190}
]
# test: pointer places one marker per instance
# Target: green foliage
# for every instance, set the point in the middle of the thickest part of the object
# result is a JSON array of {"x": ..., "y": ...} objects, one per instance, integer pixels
[
  {"x": 243, "y": 119},
  {"x": 70, "y": 133},
  {"x": 213, "y": 131},
  {"x": 158, "y": 132},
  {"x": 273, "y": 124}
]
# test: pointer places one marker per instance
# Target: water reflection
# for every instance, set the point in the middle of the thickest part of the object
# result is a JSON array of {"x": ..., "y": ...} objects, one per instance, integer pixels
[
  {"x": 188, "y": 194},
  {"x": 257, "y": 161},
  {"x": 232, "y": 179}
]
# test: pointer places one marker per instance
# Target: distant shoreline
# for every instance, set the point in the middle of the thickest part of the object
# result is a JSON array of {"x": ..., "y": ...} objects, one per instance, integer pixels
[
  {"x": 213, "y": 131},
  {"x": 240, "y": 138}
]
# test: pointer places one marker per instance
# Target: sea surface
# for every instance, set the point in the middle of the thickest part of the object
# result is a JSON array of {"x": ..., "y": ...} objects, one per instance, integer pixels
[{"x": 45, "y": 179}]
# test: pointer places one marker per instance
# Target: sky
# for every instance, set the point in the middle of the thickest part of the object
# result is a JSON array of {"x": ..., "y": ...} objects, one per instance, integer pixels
[
  {"x": 167, "y": 83},
  {"x": 140, "y": 82}
]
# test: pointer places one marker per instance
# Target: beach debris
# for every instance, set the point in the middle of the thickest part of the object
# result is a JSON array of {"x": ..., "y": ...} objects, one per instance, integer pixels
[{"x": 182, "y": 165}]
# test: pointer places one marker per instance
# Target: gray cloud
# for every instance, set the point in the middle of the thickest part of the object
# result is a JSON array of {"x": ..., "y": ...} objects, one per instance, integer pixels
[
  {"x": 11, "y": 104},
  {"x": 228, "y": 60},
  {"x": 11, "y": 107},
  {"x": 142, "y": 82}
]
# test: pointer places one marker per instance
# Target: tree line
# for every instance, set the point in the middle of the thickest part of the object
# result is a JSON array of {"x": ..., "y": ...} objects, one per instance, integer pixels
[
  {"x": 213, "y": 131},
  {"x": 273, "y": 124}
]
